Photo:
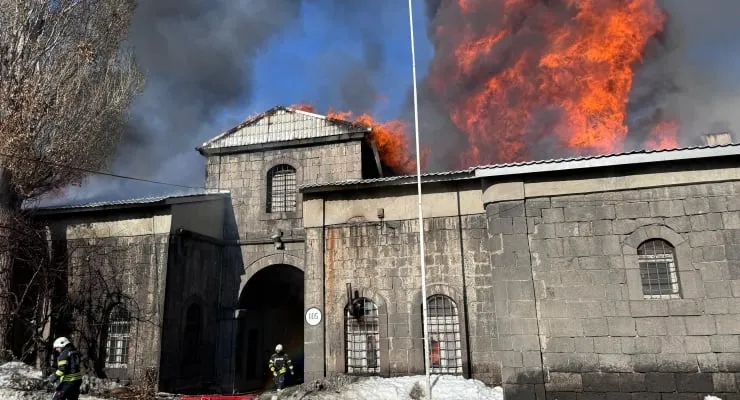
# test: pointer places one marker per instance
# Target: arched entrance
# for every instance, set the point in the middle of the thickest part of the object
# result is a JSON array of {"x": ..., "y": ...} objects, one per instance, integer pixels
[{"x": 271, "y": 305}]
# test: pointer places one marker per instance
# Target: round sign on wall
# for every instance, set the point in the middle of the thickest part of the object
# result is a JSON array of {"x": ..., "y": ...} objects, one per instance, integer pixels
[{"x": 313, "y": 316}]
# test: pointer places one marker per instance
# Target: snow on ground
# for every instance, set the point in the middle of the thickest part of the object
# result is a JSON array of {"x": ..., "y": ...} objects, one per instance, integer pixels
[
  {"x": 402, "y": 388},
  {"x": 19, "y": 381}
]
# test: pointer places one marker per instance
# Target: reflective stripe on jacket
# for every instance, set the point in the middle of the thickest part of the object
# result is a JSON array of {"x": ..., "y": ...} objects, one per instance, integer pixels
[
  {"x": 68, "y": 365},
  {"x": 279, "y": 363}
]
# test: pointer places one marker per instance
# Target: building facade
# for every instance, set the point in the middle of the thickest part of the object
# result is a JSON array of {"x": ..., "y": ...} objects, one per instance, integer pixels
[{"x": 575, "y": 278}]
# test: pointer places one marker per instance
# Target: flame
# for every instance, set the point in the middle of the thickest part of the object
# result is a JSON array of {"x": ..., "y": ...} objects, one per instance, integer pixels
[
  {"x": 552, "y": 72},
  {"x": 390, "y": 138},
  {"x": 663, "y": 136},
  {"x": 304, "y": 107}
]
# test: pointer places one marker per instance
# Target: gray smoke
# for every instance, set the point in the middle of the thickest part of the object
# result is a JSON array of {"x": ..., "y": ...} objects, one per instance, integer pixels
[
  {"x": 688, "y": 74},
  {"x": 199, "y": 57}
]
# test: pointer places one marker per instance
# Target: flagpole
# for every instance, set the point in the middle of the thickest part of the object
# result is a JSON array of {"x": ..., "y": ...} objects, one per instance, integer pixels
[{"x": 421, "y": 214}]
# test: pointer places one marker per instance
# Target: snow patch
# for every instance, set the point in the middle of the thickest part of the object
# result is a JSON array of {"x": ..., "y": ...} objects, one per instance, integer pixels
[
  {"x": 404, "y": 388},
  {"x": 712, "y": 398},
  {"x": 19, "y": 381}
]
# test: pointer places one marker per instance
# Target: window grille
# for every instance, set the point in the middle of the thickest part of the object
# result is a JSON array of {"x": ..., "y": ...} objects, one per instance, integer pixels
[
  {"x": 445, "y": 344},
  {"x": 658, "y": 270},
  {"x": 193, "y": 334},
  {"x": 119, "y": 335},
  {"x": 362, "y": 339},
  {"x": 281, "y": 189}
]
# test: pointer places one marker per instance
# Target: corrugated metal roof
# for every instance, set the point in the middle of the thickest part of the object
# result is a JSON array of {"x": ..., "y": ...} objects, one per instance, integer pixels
[
  {"x": 402, "y": 179},
  {"x": 126, "y": 202},
  {"x": 608, "y": 160},
  {"x": 605, "y": 160},
  {"x": 282, "y": 124}
]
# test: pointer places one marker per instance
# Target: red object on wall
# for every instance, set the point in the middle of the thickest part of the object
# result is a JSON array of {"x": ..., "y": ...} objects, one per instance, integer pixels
[{"x": 221, "y": 397}]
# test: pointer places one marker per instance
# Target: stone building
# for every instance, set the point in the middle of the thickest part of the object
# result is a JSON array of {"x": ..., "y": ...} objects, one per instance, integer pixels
[{"x": 578, "y": 278}]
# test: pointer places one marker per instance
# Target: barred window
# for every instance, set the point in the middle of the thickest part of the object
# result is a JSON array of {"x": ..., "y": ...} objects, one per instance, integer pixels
[
  {"x": 362, "y": 339},
  {"x": 445, "y": 346},
  {"x": 281, "y": 189},
  {"x": 193, "y": 334},
  {"x": 119, "y": 334},
  {"x": 656, "y": 258}
]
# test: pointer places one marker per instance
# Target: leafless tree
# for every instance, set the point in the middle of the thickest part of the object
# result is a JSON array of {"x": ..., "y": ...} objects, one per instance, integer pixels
[{"x": 67, "y": 79}]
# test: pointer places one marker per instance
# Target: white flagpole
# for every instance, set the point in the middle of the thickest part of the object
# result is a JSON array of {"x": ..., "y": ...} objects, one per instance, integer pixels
[{"x": 421, "y": 215}]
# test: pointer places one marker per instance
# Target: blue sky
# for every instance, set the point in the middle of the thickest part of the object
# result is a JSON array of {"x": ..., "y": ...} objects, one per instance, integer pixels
[
  {"x": 292, "y": 68},
  {"x": 297, "y": 65}
]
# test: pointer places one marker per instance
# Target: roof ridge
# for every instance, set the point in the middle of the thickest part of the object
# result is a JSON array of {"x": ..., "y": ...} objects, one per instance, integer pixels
[{"x": 249, "y": 121}]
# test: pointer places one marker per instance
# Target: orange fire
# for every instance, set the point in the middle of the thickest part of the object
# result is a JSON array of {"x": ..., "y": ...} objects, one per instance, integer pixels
[
  {"x": 542, "y": 70},
  {"x": 390, "y": 138},
  {"x": 663, "y": 136}
]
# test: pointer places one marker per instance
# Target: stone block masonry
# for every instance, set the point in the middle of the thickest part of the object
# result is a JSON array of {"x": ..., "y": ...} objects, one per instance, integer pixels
[
  {"x": 381, "y": 262},
  {"x": 598, "y": 333}
]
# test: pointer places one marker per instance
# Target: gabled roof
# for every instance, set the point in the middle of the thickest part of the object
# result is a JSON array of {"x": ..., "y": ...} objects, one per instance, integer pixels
[
  {"x": 639, "y": 157},
  {"x": 280, "y": 126}
]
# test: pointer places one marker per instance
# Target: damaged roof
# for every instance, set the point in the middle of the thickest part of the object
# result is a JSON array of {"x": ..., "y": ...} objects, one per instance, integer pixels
[
  {"x": 541, "y": 166},
  {"x": 200, "y": 195},
  {"x": 280, "y": 125}
]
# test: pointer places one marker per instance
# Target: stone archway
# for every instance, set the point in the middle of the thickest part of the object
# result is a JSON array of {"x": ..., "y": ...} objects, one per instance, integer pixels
[{"x": 270, "y": 312}]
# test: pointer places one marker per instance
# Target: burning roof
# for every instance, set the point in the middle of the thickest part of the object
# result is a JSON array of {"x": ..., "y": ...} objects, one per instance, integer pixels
[{"x": 280, "y": 125}]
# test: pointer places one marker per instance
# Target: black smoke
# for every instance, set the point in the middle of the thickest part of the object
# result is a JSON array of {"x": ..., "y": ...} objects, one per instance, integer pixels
[
  {"x": 687, "y": 73},
  {"x": 199, "y": 57}
]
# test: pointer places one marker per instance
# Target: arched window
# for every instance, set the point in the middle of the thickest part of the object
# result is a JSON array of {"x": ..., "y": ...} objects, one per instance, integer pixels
[
  {"x": 193, "y": 334},
  {"x": 445, "y": 346},
  {"x": 119, "y": 334},
  {"x": 281, "y": 189},
  {"x": 362, "y": 339},
  {"x": 656, "y": 258}
]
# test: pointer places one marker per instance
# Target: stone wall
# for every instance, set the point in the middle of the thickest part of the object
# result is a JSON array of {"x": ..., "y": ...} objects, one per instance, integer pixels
[
  {"x": 249, "y": 227},
  {"x": 380, "y": 260},
  {"x": 245, "y": 175},
  {"x": 105, "y": 272},
  {"x": 570, "y": 283}
]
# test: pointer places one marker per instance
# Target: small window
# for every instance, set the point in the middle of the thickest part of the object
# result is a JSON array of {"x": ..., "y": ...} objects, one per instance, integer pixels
[
  {"x": 119, "y": 334},
  {"x": 658, "y": 270},
  {"x": 281, "y": 189},
  {"x": 444, "y": 336},
  {"x": 362, "y": 339},
  {"x": 193, "y": 334}
]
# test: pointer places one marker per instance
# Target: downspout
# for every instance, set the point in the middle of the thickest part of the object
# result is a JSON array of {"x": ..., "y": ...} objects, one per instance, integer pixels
[{"x": 466, "y": 321}]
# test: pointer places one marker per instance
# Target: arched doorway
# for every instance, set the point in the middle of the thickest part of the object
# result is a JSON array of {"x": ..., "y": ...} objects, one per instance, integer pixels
[{"x": 271, "y": 306}]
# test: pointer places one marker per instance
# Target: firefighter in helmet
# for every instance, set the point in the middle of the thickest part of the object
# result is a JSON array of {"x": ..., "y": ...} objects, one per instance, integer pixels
[
  {"x": 279, "y": 365},
  {"x": 68, "y": 377}
]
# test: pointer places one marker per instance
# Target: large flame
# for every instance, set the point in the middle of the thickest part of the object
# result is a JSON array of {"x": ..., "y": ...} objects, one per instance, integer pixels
[
  {"x": 554, "y": 72},
  {"x": 390, "y": 138}
]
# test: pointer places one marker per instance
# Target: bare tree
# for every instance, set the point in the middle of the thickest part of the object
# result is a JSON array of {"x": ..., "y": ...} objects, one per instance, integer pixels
[{"x": 67, "y": 79}]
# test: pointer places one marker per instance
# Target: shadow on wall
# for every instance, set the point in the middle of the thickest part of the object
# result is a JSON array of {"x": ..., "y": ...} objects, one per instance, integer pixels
[{"x": 630, "y": 385}]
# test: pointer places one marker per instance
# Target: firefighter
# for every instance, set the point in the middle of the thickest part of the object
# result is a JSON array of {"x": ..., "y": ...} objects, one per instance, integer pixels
[
  {"x": 68, "y": 377},
  {"x": 279, "y": 365}
]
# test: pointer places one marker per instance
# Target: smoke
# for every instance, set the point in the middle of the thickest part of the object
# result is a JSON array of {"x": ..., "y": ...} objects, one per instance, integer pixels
[
  {"x": 689, "y": 72},
  {"x": 200, "y": 57},
  {"x": 686, "y": 75}
]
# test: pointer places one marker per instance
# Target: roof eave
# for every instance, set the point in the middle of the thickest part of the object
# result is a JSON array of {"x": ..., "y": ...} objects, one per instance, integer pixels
[
  {"x": 618, "y": 160},
  {"x": 389, "y": 182},
  {"x": 161, "y": 203}
]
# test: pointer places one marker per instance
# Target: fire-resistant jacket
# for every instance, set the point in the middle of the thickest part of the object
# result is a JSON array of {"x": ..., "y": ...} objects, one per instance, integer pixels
[
  {"x": 68, "y": 365},
  {"x": 279, "y": 364}
]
